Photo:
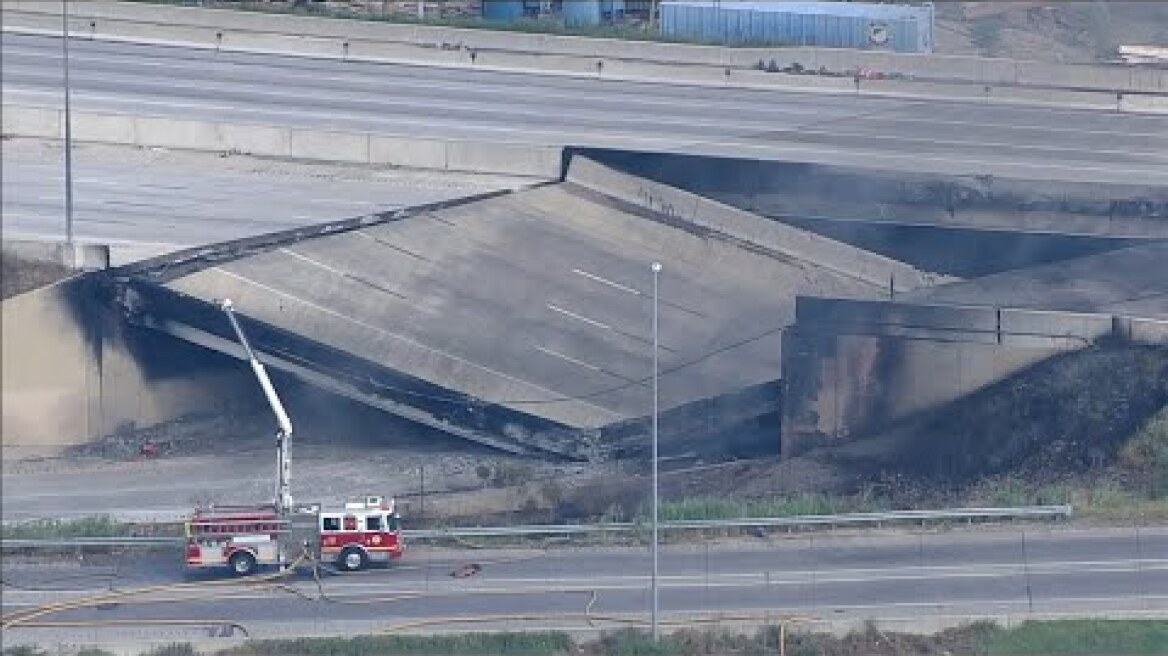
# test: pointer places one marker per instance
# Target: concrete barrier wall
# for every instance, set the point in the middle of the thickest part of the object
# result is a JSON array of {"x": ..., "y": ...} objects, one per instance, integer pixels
[
  {"x": 302, "y": 143},
  {"x": 321, "y": 36},
  {"x": 71, "y": 373},
  {"x": 1039, "y": 327},
  {"x": 35, "y": 122},
  {"x": 777, "y": 237},
  {"x": 1149, "y": 331}
]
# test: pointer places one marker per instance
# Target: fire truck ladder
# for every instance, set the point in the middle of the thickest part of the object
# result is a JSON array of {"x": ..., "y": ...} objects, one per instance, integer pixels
[{"x": 284, "y": 431}]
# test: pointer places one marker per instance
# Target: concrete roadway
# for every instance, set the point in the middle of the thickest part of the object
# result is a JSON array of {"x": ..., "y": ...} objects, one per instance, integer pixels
[
  {"x": 920, "y": 578},
  {"x": 145, "y": 203},
  {"x": 939, "y": 135}
]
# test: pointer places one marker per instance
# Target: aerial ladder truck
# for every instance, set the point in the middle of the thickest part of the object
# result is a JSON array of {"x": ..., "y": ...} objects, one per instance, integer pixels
[{"x": 245, "y": 538}]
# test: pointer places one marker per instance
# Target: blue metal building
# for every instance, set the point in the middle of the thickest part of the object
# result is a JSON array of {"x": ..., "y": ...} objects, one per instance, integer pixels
[
  {"x": 504, "y": 10},
  {"x": 574, "y": 12},
  {"x": 592, "y": 12},
  {"x": 901, "y": 28}
]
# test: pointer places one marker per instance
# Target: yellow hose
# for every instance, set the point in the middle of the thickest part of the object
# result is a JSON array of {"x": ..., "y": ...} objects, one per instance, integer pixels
[
  {"x": 55, "y": 624},
  {"x": 20, "y": 617},
  {"x": 623, "y": 619}
]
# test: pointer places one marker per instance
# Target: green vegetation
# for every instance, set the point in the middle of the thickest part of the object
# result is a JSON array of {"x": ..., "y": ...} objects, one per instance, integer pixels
[
  {"x": 501, "y": 644},
  {"x": 1071, "y": 637},
  {"x": 793, "y": 505},
  {"x": 97, "y": 527},
  {"x": 1145, "y": 455},
  {"x": 45, "y": 529},
  {"x": 1034, "y": 638},
  {"x": 986, "y": 34}
]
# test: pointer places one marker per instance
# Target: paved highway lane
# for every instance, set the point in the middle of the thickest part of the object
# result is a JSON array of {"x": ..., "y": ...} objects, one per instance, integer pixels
[
  {"x": 145, "y": 203},
  {"x": 442, "y": 102},
  {"x": 994, "y": 572}
]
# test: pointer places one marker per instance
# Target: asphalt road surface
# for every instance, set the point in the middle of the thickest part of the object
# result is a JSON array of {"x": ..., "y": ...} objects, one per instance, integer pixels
[
  {"x": 928, "y": 576},
  {"x": 919, "y": 134},
  {"x": 145, "y": 203}
]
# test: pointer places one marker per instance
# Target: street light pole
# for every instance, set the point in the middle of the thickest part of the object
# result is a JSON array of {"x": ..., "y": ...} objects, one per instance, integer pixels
[
  {"x": 656, "y": 275},
  {"x": 68, "y": 134}
]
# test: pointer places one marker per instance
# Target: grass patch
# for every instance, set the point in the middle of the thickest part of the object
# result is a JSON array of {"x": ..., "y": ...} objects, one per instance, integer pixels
[
  {"x": 1091, "y": 498},
  {"x": 1069, "y": 637},
  {"x": 1145, "y": 455},
  {"x": 48, "y": 529},
  {"x": 1073, "y": 637},
  {"x": 795, "y": 505},
  {"x": 544, "y": 643}
]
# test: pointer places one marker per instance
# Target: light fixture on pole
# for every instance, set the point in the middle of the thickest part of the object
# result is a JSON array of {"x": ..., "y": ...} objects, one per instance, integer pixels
[
  {"x": 68, "y": 135},
  {"x": 656, "y": 627}
]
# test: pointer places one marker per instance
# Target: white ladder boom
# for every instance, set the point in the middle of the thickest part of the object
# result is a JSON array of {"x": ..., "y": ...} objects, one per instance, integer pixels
[{"x": 284, "y": 432}]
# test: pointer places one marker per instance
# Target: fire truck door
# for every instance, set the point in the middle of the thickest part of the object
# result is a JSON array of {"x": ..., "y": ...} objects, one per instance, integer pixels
[{"x": 374, "y": 531}]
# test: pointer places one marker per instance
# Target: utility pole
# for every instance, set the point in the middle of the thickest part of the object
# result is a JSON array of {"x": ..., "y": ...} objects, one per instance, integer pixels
[
  {"x": 656, "y": 601},
  {"x": 68, "y": 136}
]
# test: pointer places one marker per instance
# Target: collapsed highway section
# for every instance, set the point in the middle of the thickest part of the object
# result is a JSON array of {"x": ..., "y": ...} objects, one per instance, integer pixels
[{"x": 517, "y": 320}]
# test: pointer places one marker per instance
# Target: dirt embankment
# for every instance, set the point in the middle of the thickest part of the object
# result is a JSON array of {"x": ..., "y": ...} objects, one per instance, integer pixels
[
  {"x": 1092, "y": 418},
  {"x": 1069, "y": 32}
]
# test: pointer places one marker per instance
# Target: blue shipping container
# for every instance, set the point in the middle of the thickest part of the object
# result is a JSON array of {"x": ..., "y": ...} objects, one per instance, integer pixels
[{"x": 902, "y": 28}]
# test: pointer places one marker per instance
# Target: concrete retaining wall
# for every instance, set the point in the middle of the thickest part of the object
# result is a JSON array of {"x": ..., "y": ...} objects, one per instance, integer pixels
[
  {"x": 312, "y": 35},
  {"x": 301, "y": 143},
  {"x": 759, "y": 232},
  {"x": 71, "y": 372},
  {"x": 852, "y": 368},
  {"x": 82, "y": 257}
]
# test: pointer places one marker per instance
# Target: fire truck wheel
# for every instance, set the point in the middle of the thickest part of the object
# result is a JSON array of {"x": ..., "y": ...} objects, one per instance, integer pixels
[
  {"x": 242, "y": 563},
  {"x": 352, "y": 559}
]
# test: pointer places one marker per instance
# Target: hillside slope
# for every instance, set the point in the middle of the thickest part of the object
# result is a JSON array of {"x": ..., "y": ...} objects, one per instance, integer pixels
[
  {"x": 1071, "y": 32},
  {"x": 1084, "y": 420}
]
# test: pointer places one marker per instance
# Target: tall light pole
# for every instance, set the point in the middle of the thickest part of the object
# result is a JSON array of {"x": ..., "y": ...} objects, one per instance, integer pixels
[
  {"x": 68, "y": 135},
  {"x": 656, "y": 275}
]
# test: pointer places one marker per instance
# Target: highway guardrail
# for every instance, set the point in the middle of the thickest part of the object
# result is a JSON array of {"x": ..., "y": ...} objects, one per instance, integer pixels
[{"x": 802, "y": 521}]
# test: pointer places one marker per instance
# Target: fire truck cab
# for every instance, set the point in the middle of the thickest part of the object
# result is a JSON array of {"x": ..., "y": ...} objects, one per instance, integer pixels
[{"x": 357, "y": 535}]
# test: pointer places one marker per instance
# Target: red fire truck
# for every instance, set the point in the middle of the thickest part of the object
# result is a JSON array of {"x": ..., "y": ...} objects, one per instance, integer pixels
[{"x": 245, "y": 538}]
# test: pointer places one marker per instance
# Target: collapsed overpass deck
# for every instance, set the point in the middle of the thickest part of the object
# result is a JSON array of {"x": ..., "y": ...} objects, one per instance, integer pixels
[{"x": 520, "y": 319}]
